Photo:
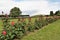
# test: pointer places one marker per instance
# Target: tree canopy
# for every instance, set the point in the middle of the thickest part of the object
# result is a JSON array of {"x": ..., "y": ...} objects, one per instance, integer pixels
[
  {"x": 57, "y": 13},
  {"x": 51, "y": 13},
  {"x": 15, "y": 12}
]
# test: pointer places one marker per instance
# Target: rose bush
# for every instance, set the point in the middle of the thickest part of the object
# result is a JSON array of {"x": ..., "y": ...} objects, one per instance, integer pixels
[
  {"x": 12, "y": 30},
  {"x": 17, "y": 30},
  {"x": 30, "y": 25}
]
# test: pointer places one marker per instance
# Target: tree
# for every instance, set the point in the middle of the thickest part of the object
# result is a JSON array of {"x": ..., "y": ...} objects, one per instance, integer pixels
[
  {"x": 51, "y": 13},
  {"x": 57, "y": 12},
  {"x": 14, "y": 12},
  {"x": 2, "y": 12}
]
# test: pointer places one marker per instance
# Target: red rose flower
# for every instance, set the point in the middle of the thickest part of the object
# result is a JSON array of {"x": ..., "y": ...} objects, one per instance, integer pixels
[
  {"x": 4, "y": 33},
  {"x": 12, "y": 23}
]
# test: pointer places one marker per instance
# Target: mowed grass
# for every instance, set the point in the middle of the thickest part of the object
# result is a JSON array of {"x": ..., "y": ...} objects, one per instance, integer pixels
[
  {"x": 49, "y": 32},
  {"x": 1, "y": 26}
]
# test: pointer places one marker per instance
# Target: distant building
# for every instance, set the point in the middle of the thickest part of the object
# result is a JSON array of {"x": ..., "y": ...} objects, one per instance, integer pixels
[
  {"x": 16, "y": 16},
  {"x": 24, "y": 16}
]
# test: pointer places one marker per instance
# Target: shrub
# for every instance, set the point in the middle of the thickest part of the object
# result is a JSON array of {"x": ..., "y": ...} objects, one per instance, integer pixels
[
  {"x": 30, "y": 27},
  {"x": 12, "y": 31},
  {"x": 37, "y": 24},
  {"x": 17, "y": 30}
]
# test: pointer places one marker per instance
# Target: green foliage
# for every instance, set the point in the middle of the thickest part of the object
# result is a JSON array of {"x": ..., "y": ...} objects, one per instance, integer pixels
[
  {"x": 15, "y": 12},
  {"x": 51, "y": 13},
  {"x": 12, "y": 30},
  {"x": 50, "y": 20},
  {"x": 49, "y": 32},
  {"x": 38, "y": 24},
  {"x": 57, "y": 13},
  {"x": 30, "y": 27}
]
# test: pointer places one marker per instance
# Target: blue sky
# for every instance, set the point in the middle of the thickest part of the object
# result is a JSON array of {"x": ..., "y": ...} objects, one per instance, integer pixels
[
  {"x": 30, "y": 7},
  {"x": 55, "y": 0},
  {"x": 37, "y": 0}
]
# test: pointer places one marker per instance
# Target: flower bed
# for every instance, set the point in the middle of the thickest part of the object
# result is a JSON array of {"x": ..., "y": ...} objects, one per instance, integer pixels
[{"x": 17, "y": 30}]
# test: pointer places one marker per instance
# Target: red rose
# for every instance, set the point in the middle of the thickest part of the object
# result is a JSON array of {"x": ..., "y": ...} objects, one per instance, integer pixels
[
  {"x": 4, "y": 33},
  {"x": 12, "y": 23}
]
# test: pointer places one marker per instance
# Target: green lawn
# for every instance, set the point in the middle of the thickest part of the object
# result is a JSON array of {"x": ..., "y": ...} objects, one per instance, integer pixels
[
  {"x": 49, "y": 32},
  {"x": 0, "y": 26}
]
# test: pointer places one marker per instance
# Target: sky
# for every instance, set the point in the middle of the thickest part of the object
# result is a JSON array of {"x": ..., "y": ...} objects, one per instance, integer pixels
[{"x": 30, "y": 7}]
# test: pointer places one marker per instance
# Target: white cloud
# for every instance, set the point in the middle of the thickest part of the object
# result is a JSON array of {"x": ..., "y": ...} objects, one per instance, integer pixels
[{"x": 42, "y": 6}]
